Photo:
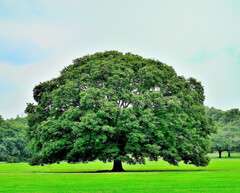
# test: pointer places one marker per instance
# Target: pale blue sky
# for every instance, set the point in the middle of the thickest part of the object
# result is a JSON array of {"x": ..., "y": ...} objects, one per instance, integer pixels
[
  {"x": 21, "y": 51},
  {"x": 40, "y": 37}
]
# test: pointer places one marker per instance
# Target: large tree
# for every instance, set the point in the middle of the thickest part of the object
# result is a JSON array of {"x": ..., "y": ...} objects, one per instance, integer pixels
[{"x": 119, "y": 107}]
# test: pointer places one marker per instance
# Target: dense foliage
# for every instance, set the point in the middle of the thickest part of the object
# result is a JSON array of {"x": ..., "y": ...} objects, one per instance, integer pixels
[
  {"x": 119, "y": 107},
  {"x": 228, "y": 136},
  {"x": 13, "y": 144}
]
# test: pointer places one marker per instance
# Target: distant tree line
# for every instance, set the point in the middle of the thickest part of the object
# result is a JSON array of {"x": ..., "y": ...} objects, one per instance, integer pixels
[
  {"x": 13, "y": 144},
  {"x": 228, "y": 136}
]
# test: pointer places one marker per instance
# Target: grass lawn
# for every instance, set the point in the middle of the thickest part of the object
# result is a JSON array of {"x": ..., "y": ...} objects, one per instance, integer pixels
[{"x": 222, "y": 175}]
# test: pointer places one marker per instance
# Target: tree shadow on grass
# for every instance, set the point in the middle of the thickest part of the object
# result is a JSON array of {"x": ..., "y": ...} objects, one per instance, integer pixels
[{"x": 131, "y": 171}]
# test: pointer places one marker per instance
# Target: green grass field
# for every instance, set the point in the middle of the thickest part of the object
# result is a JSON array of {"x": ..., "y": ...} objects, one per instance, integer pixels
[{"x": 222, "y": 175}]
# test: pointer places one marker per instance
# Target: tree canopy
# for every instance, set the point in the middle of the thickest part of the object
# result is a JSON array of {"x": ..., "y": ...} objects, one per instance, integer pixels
[{"x": 119, "y": 107}]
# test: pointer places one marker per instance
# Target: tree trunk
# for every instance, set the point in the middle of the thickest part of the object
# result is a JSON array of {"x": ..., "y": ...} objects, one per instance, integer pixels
[
  {"x": 229, "y": 154},
  {"x": 117, "y": 166},
  {"x": 220, "y": 154}
]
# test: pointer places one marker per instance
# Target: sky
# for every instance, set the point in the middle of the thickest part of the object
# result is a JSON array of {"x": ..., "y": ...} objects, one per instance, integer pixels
[{"x": 199, "y": 39}]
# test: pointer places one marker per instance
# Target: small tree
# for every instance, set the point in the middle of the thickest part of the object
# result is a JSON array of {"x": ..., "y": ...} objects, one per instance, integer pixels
[
  {"x": 221, "y": 142},
  {"x": 122, "y": 108},
  {"x": 227, "y": 138}
]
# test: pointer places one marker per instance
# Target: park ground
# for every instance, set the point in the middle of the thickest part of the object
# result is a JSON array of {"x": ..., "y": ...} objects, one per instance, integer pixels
[{"x": 222, "y": 175}]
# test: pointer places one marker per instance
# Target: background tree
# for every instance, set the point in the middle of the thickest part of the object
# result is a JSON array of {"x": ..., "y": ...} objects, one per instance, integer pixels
[
  {"x": 13, "y": 144},
  {"x": 122, "y": 108},
  {"x": 216, "y": 114},
  {"x": 228, "y": 136},
  {"x": 222, "y": 142}
]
